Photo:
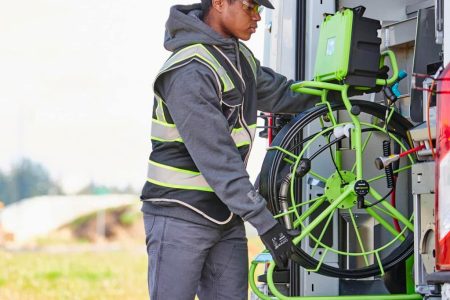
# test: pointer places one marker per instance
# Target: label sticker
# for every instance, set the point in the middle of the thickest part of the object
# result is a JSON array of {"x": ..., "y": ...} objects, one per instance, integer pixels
[{"x": 331, "y": 42}]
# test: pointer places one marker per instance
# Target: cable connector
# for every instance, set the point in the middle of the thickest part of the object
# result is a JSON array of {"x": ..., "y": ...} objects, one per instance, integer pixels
[{"x": 361, "y": 189}]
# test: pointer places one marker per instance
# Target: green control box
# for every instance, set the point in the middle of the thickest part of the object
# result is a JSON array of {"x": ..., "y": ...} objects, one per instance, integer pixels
[{"x": 349, "y": 49}]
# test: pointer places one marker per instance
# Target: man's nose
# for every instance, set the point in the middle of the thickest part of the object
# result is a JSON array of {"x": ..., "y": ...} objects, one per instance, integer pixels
[{"x": 256, "y": 16}]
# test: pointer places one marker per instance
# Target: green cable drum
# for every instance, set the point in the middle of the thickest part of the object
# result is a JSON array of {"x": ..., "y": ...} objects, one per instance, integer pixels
[{"x": 348, "y": 49}]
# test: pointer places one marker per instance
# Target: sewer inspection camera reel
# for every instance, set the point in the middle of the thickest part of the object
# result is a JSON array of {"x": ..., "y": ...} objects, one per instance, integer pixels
[{"x": 355, "y": 192}]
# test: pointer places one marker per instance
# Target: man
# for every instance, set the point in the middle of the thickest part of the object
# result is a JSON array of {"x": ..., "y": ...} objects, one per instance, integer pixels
[{"x": 198, "y": 192}]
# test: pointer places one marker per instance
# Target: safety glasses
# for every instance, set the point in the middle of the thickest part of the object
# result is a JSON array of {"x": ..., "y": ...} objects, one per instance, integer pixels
[{"x": 251, "y": 7}]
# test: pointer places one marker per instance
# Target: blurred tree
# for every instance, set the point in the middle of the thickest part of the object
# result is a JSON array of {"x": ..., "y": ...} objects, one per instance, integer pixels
[
  {"x": 129, "y": 189},
  {"x": 94, "y": 189},
  {"x": 29, "y": 179},
  {"x": 99, "y": 189},
  {"x": 4, "y": 188}
]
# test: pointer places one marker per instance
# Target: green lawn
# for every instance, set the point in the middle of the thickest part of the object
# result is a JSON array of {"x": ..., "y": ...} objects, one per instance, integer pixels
[{"x": 90, "y": 275}]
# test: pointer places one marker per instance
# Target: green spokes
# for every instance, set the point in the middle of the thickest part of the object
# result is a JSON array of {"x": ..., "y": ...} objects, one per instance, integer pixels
[
  {"x": 405, "y": 168},
  {"x": 292, "y": 209},
  {"x": 314, "y": 174},
  {"x": 309, "y": 211},
  {"x": 399, "y": 236},
  {"x": 327, "y": 216},
  {"x": 319, "y": 240},
  {"x": 320, "y": 215},
  {"x": 393, "y": 210},
  {"x": 384, "y": 223},
  {"x": 377, "y": 207},
  {"x": 366, "y": 142}
]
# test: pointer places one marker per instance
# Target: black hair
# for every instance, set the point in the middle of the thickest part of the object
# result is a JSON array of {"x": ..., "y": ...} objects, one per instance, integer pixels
[{"x": 206, "y": 6}]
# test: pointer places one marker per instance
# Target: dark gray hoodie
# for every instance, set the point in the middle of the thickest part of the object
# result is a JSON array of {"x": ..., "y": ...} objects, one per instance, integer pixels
[{"x": 191, "y": 96}]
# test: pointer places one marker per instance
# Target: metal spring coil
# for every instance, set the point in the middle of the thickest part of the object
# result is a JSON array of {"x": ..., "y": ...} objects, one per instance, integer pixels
[{"x": 388, "y": 170}]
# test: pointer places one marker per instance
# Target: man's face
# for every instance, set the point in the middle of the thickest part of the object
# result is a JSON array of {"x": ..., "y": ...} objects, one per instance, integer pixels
[{"x": 240, "y": 18}]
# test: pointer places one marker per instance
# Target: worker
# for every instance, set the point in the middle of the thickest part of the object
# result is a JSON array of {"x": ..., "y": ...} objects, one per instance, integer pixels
[{"x": 198, "y": 191}]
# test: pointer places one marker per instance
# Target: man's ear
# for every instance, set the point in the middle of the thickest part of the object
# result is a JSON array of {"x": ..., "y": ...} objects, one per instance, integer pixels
[{"x": 218, "y": 5}]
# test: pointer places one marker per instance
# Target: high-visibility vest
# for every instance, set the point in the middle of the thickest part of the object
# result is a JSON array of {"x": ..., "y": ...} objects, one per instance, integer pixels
[{"x": 172, "y": 174}]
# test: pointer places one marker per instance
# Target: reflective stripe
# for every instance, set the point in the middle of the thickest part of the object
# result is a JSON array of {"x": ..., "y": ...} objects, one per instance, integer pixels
[
  {"x": 251, "y": 60},
  {"x": 199, "y": 51},
  {"x": 165, "y": 132},
  {"x": 238, "y": 72},
  {"x": 172, "y": 177},
  {"x": 159, "y": 109},
  {"x": 240, "y": 136}
]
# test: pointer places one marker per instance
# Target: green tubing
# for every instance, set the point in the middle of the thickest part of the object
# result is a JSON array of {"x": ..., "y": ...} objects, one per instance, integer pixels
[
  {"x": 410, "y": 285},
  {"x": 280, "y": 296},
  {"x": 317, "y": 88},
  {"x": 300, "y": 86},
  {"x": 251, "y": 281},
  {"x": 359, "y": 297},
  {"x": 330, "y": 111},
  {"x": 309, "y": 91},
  {"x": 394, "y": 68}
]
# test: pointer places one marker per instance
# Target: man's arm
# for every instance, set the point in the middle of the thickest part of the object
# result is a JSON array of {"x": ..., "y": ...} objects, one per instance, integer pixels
[
  {"x": 191, "y": 96},
  {"x": 275, "y": 95}
]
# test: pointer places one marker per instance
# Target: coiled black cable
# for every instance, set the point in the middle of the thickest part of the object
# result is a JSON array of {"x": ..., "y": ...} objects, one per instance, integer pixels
[
  {"x": 388, "y": 170},
  {"x": 274, "y": 169}
]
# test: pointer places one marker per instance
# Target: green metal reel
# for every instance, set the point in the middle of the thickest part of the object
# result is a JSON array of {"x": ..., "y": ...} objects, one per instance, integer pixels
[{"x": 339, "y": 186}]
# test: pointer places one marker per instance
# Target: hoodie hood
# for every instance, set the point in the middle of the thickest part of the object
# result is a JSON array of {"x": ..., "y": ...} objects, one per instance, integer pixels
[{"x": 185, "y": 27}]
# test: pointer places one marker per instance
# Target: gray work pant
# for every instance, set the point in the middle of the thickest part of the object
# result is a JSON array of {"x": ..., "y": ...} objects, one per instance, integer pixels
[{"x": 185, "y": 259}]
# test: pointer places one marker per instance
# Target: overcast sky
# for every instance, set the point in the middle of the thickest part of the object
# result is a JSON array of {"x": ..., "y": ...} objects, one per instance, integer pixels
[{"x": 75, "y": 86}]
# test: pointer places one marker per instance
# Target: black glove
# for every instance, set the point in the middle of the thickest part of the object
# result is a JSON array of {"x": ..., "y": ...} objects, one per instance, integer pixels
[{"x": 279, "y": 243}]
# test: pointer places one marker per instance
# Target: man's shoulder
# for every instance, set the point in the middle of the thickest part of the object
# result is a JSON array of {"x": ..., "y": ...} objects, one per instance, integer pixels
[{"x": 191, "y": 69}]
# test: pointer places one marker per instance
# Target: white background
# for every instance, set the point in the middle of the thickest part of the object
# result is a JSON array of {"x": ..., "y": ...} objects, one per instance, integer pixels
[{"x": 75, "y": 87}]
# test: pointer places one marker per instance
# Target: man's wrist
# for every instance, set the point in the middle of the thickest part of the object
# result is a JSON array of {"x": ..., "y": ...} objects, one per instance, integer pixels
[{"x": 263, "y": 221}]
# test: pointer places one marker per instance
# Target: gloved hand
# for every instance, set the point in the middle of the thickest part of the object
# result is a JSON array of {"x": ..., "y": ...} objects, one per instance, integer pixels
[{"x": 279, "y": 243}]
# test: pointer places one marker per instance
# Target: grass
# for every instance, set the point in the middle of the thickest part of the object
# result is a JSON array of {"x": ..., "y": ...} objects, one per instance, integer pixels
[{"x": 88, "y": 275}]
